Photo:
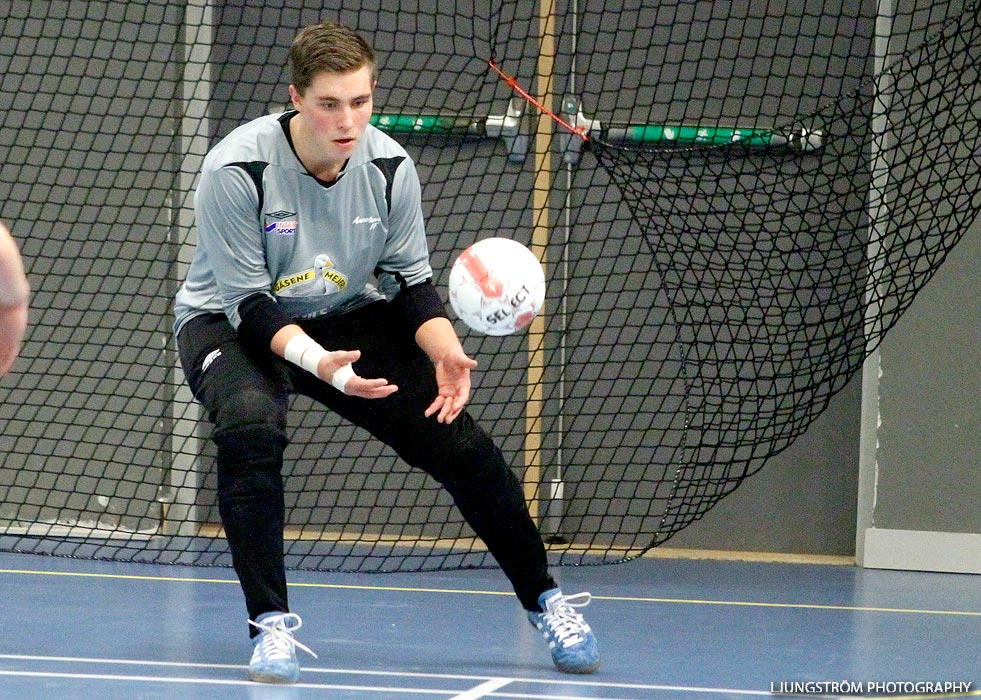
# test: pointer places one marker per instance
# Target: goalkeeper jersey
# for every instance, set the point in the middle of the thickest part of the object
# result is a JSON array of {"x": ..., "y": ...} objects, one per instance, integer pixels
[{"x": 266, "y": 225}]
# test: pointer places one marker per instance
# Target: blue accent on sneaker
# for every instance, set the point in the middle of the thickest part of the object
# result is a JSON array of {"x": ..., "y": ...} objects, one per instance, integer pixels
[
  {"x": 570, "y": 640},
  {"x": 274, "y": 649}
]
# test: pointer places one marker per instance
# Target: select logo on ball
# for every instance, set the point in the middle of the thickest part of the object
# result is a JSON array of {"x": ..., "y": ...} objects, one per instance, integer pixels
[{"x": 497, "y": 286}]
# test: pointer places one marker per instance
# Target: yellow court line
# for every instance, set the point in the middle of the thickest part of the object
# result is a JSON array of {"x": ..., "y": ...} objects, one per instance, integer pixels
[
  {"x": 465, "y": 591},
  {"x": 126, "y": 577},
  {"x": 805, "y": 606}
]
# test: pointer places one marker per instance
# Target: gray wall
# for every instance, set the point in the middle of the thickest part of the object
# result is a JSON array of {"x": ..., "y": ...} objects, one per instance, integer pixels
[
  {"x": 929, "y": 455},
  {"x": 803, "y": 501},
  {"x": 925, "y": 465},
  {"x": 919, "y": 479},
  {"x": 95, "y": 314}
]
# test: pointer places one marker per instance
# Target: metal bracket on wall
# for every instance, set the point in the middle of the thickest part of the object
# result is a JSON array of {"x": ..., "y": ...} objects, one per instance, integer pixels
[
  {"x": 508, "y": 128},
  {"x": 571, "y": 144}
]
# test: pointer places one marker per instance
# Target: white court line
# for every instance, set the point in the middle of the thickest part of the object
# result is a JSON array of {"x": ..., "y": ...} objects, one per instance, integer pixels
[
  {"x": 216, "y": 681},
  {"x": 357, "y": 688},
  {"x": 483, "y": 690},
  {"x": 364, "y": 672}
]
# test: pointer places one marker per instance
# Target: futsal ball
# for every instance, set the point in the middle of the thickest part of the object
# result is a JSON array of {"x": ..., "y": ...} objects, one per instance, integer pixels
[{"x": 497, "y": 286}]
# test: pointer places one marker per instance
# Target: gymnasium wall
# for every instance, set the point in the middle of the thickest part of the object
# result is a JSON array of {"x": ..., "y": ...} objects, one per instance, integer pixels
[
  {"x": 929, "y": 454},
  {"x": 920, "y": 463},
  {"x": 803, "y": 500},
  {"x": 921, "y": 479}
]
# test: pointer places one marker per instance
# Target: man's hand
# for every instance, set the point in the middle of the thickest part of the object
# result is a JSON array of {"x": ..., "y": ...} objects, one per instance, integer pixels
[
  {"x": 292, "y": 344},
  {"x": 438, "y": 339},
  {"x": 335, "y": 368},
  {"x": 453, "y": 379}
]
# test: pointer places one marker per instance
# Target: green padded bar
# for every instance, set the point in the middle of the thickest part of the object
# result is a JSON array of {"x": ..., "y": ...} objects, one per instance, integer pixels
[
  {"x": 428, "y": 124},
  {"x": 666, "y": 134}
]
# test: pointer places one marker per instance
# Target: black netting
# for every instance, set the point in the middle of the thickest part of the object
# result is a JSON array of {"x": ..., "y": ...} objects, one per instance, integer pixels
[{"x": 734, "y": 202}]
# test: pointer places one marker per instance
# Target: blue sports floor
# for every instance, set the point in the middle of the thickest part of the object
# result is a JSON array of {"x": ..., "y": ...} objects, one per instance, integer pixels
[{"x": 670, "y": 629}]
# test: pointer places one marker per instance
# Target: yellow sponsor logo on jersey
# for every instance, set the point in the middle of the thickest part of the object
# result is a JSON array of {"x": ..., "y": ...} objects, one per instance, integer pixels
[
  {"x": 330, "y": 274},
  {"x": 335, "y": 277},
  {"x": 284, "y": 282}
]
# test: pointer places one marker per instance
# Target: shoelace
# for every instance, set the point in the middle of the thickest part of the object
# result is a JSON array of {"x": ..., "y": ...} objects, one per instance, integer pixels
[
  {"x": 277, "y": 636},
  {"x": 565, "y": 623}
]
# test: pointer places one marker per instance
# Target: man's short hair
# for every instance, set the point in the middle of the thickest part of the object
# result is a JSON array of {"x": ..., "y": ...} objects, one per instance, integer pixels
[{"x": 328, "y": 47}]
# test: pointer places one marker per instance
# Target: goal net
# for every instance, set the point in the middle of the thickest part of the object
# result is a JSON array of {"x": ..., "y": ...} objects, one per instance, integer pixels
[{"x": 733, "y": 203}]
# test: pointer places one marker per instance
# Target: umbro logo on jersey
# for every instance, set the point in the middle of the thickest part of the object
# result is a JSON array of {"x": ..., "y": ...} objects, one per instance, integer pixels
[
  {"x": 372, "y": 221},
  {"x": 280, "y": 222}
]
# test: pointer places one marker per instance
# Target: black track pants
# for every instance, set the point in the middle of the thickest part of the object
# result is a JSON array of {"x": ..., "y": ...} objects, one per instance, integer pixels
[{"x": 247, "y": 397}]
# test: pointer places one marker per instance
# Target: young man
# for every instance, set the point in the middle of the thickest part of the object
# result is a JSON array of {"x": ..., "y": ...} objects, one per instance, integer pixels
[
  {"x": 14, "y": 297},
  {"x": 312, "y": 276}
]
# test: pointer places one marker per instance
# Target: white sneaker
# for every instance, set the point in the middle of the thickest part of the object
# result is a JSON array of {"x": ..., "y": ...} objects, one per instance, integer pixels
[
  {"x": 274, "y": 651},
  {"x": 570, "y": 640}
]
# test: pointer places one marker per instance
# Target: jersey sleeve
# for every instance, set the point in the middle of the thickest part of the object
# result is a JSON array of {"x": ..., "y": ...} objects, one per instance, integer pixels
[
  {"x": 227, "y": 216},
  {"x": 406, "y": 255},
  {"x": 404, "y": 272}
]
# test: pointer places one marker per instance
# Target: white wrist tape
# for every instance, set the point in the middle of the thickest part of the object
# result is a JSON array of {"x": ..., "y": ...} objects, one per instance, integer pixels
[
  {"x": 305, "y": 352},
  {"x": 341, "y": 376}
]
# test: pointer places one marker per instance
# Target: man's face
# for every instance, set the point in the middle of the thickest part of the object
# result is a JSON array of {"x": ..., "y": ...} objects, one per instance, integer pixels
[{"x": 335, "y": 110}]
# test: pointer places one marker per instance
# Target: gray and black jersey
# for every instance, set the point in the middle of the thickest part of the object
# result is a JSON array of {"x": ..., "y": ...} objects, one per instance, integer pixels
[{"x": 267, "y": 226}]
